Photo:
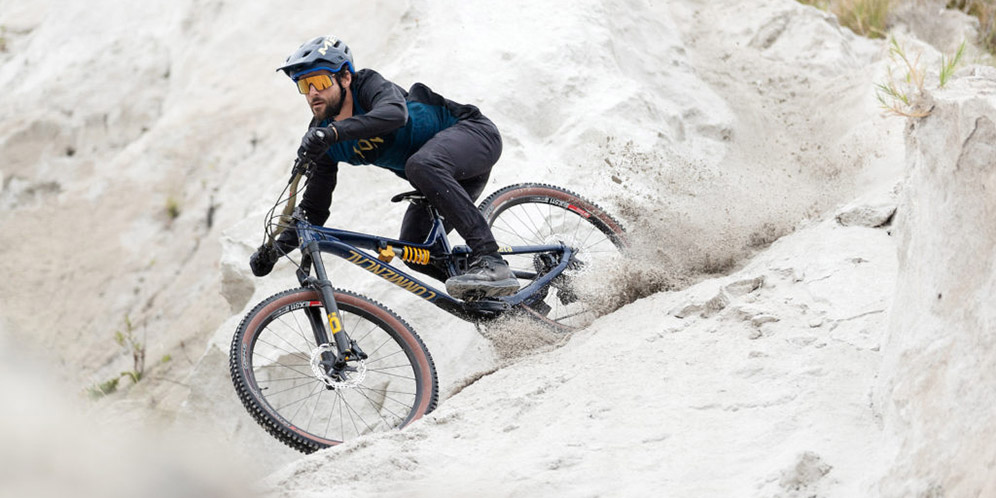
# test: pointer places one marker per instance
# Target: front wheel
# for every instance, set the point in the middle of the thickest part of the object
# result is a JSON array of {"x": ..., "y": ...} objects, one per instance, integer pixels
[
  {"x": 536, "y": 214},
  {"x": 275, "y": 366}
]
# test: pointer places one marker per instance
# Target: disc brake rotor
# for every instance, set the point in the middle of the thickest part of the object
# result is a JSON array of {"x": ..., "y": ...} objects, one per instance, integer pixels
[{"x": 318, "y": 369}]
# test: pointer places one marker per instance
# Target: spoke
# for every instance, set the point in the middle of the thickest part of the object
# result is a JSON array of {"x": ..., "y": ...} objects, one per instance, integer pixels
[
  {"x": 284, "y": 379},
  {"x": 373, "y": 328},
  {"x": 386, "y": 391},
  {"x": 297, "y": 401},
  {"x": 382, "y": 406},
  {"x": 409, "y": 405},
  {"x": 282, "y": 322},
  {"x": 313, "y": 410},
  {"x": 536, "y": 217},
  {"x": 292, "y": 353},
  {"x": 263, "y": 367},
  {"x": 349, "y": 408},
  {"x": 391, "y": 375},
  {"x": 328, "y": 422},
  {"x": 509, "y": 230},
  {"x": 549, "y": 216},
  {"x": 300, "y": 329},
  {"x": 272, "y": 363},
  {"x": 592, "y": 229},
  {"x": 348, "y": 412},
  {"x": 535, "y": 229},
  {"x": 291, "y": 388},
  {"x": 406, "y": 365},
  {"x": 383, "y": 357},
  {"x": 612, "y": 250},
  {"x": 378, "y": 347},
  {"x": 577, "y": 226}
]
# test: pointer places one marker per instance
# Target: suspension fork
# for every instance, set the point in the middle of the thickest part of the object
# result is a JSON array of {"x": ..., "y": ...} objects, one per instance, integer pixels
[{"x": 346, "y": 347}]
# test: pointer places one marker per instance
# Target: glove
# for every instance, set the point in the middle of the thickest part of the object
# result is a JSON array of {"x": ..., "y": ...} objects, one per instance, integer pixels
[
  {"x": 261, "y": 262},
  {"x": 316, "y": 141}
]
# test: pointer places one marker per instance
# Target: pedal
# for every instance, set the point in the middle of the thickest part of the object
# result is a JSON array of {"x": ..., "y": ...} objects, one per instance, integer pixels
[{"x": 474, "y": 296}]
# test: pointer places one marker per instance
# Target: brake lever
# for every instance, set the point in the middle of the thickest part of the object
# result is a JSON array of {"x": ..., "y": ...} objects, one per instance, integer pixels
[{"x": 302, "y": 166}]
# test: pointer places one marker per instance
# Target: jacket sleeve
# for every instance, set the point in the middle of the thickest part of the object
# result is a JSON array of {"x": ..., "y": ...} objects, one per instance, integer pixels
[
  {"x": 318, "y": 194},
  {"x": 385, "y": 105}
]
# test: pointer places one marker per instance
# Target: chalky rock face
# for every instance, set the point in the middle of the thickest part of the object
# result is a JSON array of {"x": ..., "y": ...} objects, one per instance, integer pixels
[{"x": 938, "y": 379}]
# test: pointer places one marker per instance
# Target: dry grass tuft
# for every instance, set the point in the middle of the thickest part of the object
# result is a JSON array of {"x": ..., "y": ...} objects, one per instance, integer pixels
[{"x": 864, "y": 17}]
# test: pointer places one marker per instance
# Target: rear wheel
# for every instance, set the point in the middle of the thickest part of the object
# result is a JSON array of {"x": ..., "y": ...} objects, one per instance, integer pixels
[
  {"x": 276, "y": 368},
  {"x": 533, "y": 214}
]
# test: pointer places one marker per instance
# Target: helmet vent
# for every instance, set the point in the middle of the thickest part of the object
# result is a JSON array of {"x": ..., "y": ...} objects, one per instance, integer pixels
[{"x": 327, "y": 50}]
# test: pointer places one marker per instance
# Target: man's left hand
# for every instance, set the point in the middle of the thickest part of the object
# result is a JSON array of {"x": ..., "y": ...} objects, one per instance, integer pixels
[{"x": 316, "y": 141}]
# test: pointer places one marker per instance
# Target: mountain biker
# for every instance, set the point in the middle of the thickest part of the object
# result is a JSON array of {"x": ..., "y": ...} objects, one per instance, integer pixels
[{"x": 444, "y": 149}]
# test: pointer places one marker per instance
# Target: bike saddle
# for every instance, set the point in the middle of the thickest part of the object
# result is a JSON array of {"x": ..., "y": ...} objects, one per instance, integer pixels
[{"x": 412, "y": 196}]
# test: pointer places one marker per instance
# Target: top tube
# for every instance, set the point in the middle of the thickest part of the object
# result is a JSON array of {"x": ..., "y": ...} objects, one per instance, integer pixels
[{"x": 436, "y": 237}]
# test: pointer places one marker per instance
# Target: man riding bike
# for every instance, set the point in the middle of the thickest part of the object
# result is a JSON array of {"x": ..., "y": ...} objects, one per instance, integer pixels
[{"x": 444, "y": 149}]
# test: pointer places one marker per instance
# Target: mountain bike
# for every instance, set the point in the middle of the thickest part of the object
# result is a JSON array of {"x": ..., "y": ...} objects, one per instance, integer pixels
[{"x": 318, "y": 365}]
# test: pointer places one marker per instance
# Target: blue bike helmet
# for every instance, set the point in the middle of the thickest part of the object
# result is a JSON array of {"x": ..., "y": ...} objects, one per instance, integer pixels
[{"x": 323, "y": 52}]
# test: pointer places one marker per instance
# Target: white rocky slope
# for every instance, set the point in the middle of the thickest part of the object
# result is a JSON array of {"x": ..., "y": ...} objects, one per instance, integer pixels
[
  {"x": 711, "y": 128},
  {"x": 760, "y": 388}
]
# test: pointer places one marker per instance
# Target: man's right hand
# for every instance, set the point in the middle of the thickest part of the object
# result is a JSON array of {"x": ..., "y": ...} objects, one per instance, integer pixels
[{"x": 261, "y": 262}]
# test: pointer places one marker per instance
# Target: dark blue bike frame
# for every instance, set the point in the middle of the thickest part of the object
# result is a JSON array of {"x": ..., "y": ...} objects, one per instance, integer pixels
[{"x": 351, "y": 246}]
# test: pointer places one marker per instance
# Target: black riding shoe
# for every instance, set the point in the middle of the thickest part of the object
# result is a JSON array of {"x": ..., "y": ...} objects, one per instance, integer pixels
[{"x": 488, "y": 276}]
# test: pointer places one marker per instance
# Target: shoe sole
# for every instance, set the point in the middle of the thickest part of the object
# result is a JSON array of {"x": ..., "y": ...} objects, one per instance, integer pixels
[{"x": 500, "y": 288}]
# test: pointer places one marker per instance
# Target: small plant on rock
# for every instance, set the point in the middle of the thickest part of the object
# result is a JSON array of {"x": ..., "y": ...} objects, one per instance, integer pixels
[
  {"x": 948, "y": 65},
  {"x": 904, "y": 96},
  {"x": 172, "y": 208},
  {"x": 102, "y": 389},
  {"x": 136, "y": 349},
  {"x": 131, "y": 345}
]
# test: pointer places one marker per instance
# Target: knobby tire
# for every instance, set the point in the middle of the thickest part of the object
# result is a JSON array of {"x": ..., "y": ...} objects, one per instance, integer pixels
[{"x": 270, "y": 368}]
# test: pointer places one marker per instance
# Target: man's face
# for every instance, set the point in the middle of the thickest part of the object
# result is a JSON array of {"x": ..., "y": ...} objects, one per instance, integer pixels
[{"x": 325, "y": 103}]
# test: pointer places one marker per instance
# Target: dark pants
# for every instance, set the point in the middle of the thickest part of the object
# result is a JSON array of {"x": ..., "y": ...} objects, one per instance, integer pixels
[{"x": 452, "y": 170}]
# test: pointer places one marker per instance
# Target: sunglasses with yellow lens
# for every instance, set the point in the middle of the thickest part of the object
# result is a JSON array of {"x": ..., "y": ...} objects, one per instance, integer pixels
[{"x": 320, "y": 81}]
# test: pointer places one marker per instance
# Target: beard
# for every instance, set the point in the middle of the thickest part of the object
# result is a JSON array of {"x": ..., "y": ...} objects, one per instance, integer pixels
[{"x": 333, "y": 105}]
